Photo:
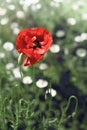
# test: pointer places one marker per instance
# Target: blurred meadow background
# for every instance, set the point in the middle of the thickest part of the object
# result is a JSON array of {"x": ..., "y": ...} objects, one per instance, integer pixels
[{"x": 38, "y": 100}]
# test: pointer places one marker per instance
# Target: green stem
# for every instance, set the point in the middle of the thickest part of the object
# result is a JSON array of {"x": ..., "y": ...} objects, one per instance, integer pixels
[
  {"x": 69, "y": 101},
  {"x": 20, "y": 68},
  {"x": 33, "y": 77},
  {"x": 63, "y": 116}
]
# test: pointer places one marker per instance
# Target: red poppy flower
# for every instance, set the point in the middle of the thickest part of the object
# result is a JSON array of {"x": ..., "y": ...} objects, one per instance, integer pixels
[{"x": 33, "y": 43}]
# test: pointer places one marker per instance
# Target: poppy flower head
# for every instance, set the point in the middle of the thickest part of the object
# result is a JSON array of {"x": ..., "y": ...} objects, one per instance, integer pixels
[{"x": 34, "y": 43}]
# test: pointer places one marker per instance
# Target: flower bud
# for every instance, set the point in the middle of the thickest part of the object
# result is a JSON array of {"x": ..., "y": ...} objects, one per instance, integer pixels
[{"x": 20, "y": 59}]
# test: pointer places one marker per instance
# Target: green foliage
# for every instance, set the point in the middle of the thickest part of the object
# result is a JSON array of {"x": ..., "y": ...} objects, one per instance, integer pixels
[{"x": 25, "y": 106}]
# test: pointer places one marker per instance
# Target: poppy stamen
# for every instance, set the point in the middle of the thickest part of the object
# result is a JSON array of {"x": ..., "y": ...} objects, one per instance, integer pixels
[{"x": 36, "y": 44}]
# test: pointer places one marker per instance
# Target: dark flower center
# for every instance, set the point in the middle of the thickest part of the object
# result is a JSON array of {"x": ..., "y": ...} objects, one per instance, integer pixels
[{"x": 36, "y": 44}]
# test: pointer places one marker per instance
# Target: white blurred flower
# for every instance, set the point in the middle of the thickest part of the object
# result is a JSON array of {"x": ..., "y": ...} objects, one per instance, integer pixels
[
  {"x": 41, "y": 83},
  {"x": 30, "y": 2},
  {"x": 60, "y": 33},
  {"x": 25, "y": 7},
  {"x": 21, "y": 2},
  {"x": 52, "y": 92},
  {"x": 78, "y": 38},
  {"x": 14, "y": 25},
  {"x": 8, "y": 1},
  {"x": 2, "y": 11},
  {"x": 16, "y": 73},
  {"x": 9, "y": 66},
  {"x": 36, "y": 7},
  {"x": 81, "y": 52},
  {"x": 84, "y": 16},
  {"x": 55, "y": 48},
  {"x": 84, "y": 36},
  {"x": 4, "y": 21},
  {"x": 71, "y": 21},
  {"x": 27, "y": 80},
  {"x": 20, "y": 14},
  {"x": 43, "y": 66},
  {"x": 11, "y": 7},
  {"x": 8, "y": 46},
  {"x": 54, "y": 4},
  {"x": 59, "y": 1},
  {"x": 77, "y": 5},
  {"x": 2, "y": 55},
  {"x": 16, "y": 31},
  {"x": 81, "y": 37},
  {"x": 81, "y": 4},
  {"x": 74, "y": 7}
]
